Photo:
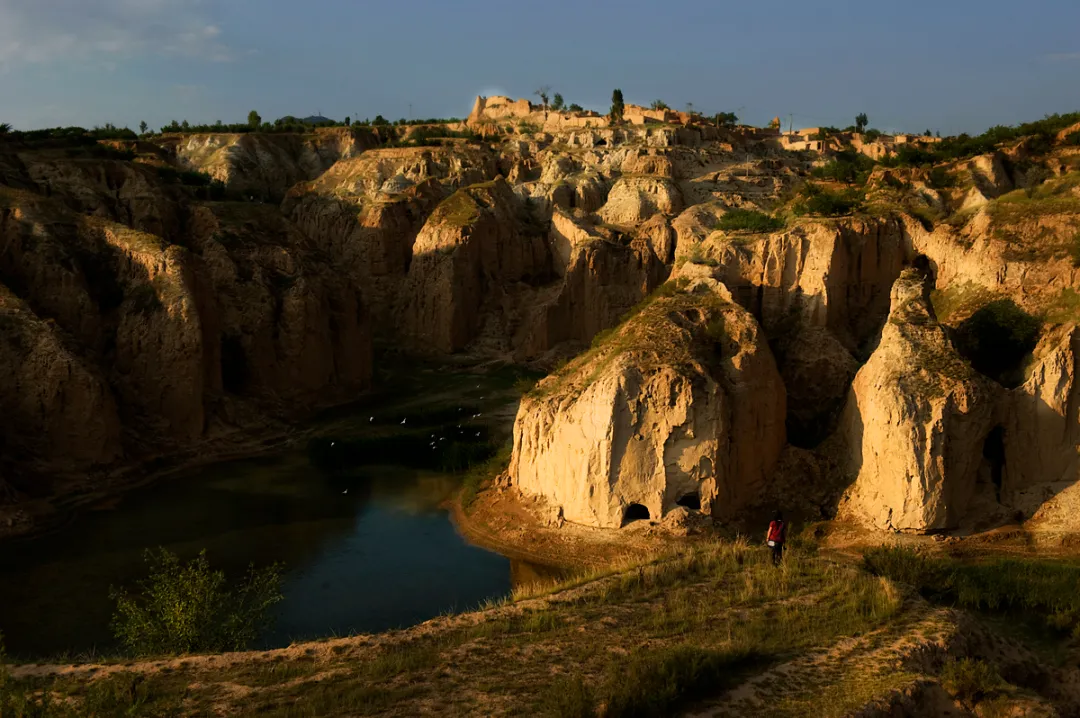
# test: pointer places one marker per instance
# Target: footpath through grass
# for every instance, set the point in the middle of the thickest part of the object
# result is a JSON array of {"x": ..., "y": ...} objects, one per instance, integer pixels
[{"x": 642, "y": 642}]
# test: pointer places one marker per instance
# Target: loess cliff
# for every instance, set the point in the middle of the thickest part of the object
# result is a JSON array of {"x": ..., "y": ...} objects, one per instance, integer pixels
[{"x": 907, "y": 360}]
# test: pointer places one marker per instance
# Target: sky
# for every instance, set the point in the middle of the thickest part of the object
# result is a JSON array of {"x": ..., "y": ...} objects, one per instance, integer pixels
[{"x": 947, "y": 65}]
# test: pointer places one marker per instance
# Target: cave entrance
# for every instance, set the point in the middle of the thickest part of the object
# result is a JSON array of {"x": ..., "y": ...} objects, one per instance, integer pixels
[
  {"x": 235, "y": 372},
  {"x": 600, "y": 143},
  {"x": 635, "y": 512},
  {"x": 994, "y": 454},
  {"x": 691, "y": 501}
]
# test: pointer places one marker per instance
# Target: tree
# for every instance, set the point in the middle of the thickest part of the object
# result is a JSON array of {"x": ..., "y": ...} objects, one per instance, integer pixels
[
  {"x": 928, "y": 133},
  {"x": 542, "y": 92},
  {"x": 186, "y": 608},
  {"x": 726, "y": 119},
  {"x": 4, "y": 128},
  {"x": 143, "y": 127},
  {"x": 861, "y": 122},
  {"x": 380, "y": 120},
  {"x": 690, "y": 108},
  {"x": 184, "y": 126},
  {"x": 659, "y": 105},
  {"x": 575, "y": 107},
  {"x": 617, "y": 106},
  {"x": 348, "y": 120},
  {"x": 254, "y": 120},
  {"x": 557, "y": 102}
]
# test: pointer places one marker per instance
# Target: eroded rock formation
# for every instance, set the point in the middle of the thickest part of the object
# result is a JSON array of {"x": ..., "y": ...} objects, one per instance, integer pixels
[
  {"x": 682, "y": 403},
  {"x": 916, "y": 422}
]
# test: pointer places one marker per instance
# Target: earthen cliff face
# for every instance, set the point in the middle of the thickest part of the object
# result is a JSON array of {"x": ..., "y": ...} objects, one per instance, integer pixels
[
  {"x": 128, "y": 296},
  {"x": 682, "y": 404},
  {"x": 140, "y": 321}
]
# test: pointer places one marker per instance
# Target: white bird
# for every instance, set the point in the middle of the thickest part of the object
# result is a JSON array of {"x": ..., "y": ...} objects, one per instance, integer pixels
[
  {"x": 332, "y": 443},
  {"x": 345, "y": 491},
  {"x": 478, "y": 433},
  {"x": 371, "y": 419},
  {"x": 403, "y": 421}
]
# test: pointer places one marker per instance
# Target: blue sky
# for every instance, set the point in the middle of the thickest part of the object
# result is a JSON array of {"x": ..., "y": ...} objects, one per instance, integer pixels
[{"x": 948, "y": 65}]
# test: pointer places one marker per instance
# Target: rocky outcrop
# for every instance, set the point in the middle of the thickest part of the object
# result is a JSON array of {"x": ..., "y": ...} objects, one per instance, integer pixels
[
  {"x": 56, "y": 411},
  {"x": 366, "y": 212},
  {"x": 475, "y": 245},
  {"x": 681, "y": 404},
  {"x": 124, "y": 192},
  {"x": 1041, "y": 430},
  {"x": 633, "y": 200},
  {"x": 602, "y": 279},
  {"x": 117, "y": 324},
  {"x": 265, "y": 166},
  {"x": 833, "y": 275},
  {"x": 289, "y": 327},
  {"x": 817, "y": 371},
  {"x": 916, "y": 421}
]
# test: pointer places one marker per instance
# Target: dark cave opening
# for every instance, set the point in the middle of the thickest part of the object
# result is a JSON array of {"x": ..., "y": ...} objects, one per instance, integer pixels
[
  {"x": 691, "y": 501},
  {"x": 635, "y": 512},
  {"x": 234, "y": 365}
]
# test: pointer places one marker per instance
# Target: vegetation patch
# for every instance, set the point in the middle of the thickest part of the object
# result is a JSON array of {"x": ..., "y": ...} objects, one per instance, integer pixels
[
  {"x": 187, "y": 608},
  {"x": 688, "y": 617},
  {"x": 748, "y": 220},
  {"x": 1043, "y": 587},
  {"x": 847, "y": 166},
  {"x": 997, "y": 339},
  {"x": 971, "y": 680},
  {"x": 817, "y": 200}
]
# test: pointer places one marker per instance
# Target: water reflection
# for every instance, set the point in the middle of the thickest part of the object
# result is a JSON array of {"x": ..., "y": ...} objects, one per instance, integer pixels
[{"x": 364, "y": 553}]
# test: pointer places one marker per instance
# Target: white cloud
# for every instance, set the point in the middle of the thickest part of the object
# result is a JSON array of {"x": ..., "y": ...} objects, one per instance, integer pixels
[{"x": 39, "y": 31}]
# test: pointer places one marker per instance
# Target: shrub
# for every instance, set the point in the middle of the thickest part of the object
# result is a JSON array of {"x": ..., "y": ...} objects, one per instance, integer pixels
[
  {"x": 848, "y": 166},
  {"x": 748, "y": 220},
  {"x": 187, "y": 608},
  {"x": 820, "y": 201},
  {"x": 940, "y": 178},
  {"x": 971, "y": 680},
  {"x": 997, "y": 338},
  {"x": 1072, "y": 139}
]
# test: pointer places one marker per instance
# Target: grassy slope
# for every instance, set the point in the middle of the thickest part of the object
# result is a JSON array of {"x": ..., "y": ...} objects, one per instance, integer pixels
[{"x": 685, "y": 626}]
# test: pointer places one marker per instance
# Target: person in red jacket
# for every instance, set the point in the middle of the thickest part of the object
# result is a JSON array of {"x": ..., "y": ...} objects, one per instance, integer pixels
[{"x": 776, "y": 536}]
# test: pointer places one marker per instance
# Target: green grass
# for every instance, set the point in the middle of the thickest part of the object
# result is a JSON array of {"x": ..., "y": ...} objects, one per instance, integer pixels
[
  {"x": 1043, "y": 587},
  {"x": 959, "y": 300},
  {"x": 971, "y": 680},
  {"x": 693, "y": 621},
  {"x": 480, "y": 477},
  {"x": 748, "y": 220},
  {"x": 817, "y": 200}
]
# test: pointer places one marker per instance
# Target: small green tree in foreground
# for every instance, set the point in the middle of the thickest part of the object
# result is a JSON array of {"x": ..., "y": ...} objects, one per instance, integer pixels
[{"x": 188, "y": 608}]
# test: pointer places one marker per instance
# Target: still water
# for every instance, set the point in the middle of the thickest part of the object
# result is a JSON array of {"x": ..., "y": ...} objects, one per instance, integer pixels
[{"x": 362, "y": 553}]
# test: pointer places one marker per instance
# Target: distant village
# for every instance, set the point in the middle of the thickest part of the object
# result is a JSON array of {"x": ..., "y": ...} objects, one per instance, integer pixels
[{"x": 490, "y": 111}]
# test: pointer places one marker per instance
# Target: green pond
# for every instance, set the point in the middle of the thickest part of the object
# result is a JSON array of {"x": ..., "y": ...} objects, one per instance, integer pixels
[{"x": 366, "y": 543}]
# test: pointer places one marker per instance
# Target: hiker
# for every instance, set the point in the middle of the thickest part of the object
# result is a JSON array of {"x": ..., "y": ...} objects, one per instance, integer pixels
[{"x": 776, "y": 536}]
